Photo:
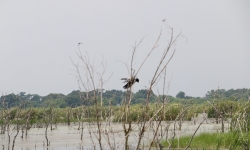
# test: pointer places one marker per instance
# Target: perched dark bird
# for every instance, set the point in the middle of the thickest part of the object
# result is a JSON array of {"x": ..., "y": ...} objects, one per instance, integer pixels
[{"x": 129, "y": 81}]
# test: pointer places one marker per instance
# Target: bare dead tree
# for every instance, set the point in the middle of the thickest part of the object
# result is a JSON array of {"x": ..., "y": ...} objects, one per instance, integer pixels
[
  {"x": 175, "y": 122},
  {"x": 4, "y": 114},
  {"x": 158, "y": 72},
  {"x": 20, "y": 121},
  {"x": 190, "y": 141},
  {"x": 27, "y": 125},
  {"x": 51, "y": 117},
  {"x": 46, "y": 119},
  {"x": 220, "y": 112},
  {"x": 89, "y": 78},
  {"x": 156, "y": 139},
  {"x": 12, "y": 115},
  {"x": 69, "y": 115}
]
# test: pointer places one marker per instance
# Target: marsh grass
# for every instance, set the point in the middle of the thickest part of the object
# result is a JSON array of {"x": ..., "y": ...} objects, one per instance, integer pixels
[{"x": 230, "y": 140}]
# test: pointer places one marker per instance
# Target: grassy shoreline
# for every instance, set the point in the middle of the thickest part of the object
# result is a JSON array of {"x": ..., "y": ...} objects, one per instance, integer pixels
[{"x": 211, "y": 141}]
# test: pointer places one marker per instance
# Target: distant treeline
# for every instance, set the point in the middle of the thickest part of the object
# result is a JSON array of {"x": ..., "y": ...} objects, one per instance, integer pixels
[{"x": 115, "y": 98}]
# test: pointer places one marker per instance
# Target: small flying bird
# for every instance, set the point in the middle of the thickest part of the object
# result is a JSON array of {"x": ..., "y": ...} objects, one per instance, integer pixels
[{"x": 130, "y": 81}]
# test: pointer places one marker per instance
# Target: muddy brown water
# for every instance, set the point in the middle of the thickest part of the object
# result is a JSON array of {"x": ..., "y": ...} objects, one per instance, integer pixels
[{"x": 66, "y": 137}]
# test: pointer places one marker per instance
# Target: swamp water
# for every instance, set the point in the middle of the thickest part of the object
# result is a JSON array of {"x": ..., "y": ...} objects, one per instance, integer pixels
[{"x": 66, "y": 137}]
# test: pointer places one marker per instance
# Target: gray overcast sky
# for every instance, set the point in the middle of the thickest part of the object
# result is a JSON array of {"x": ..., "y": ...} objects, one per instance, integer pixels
[{"x": 37, "y": 39}]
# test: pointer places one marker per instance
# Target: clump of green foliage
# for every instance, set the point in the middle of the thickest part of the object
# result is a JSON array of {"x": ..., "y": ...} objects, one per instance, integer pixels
[
  {"x": 115, "y": 97},
  {"x": 228, "y": 140}
]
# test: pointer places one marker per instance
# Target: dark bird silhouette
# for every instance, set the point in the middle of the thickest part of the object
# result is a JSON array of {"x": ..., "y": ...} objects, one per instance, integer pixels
[{"x": 129, "y": 81}]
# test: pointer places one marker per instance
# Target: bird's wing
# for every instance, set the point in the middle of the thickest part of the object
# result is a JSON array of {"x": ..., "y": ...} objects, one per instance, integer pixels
[{"x": 125, "y": 79}]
